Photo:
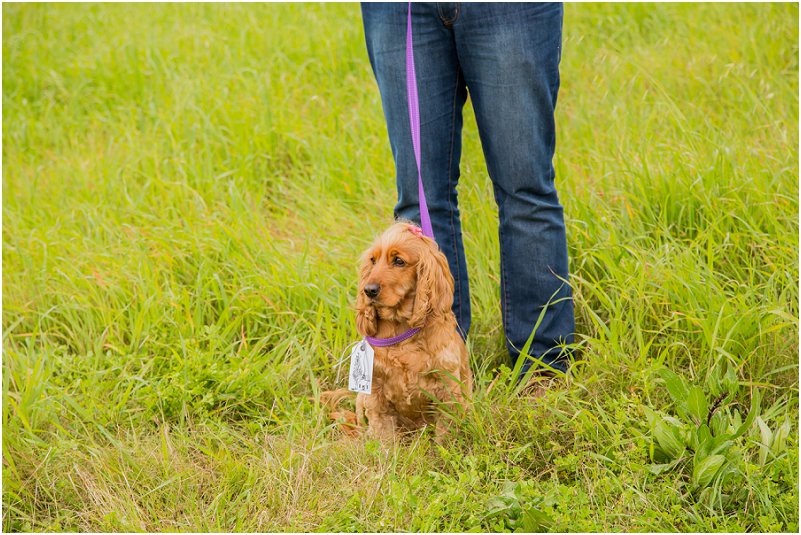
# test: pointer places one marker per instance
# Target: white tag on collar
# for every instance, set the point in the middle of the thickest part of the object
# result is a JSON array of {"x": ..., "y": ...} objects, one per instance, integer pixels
[{"x": 360, "y": 378}]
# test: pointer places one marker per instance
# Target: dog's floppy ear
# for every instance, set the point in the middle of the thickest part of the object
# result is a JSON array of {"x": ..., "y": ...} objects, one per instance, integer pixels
[
  {"x": 366, "y": 321},
  {"x": 434, "y": 294}
]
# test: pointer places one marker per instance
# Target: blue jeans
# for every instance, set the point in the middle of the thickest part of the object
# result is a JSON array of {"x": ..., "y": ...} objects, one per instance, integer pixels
[{"x": 507, "y": 57}]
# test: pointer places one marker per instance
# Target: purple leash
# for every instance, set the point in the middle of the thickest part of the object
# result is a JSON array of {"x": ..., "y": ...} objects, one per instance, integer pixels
[{"x": 414, "y": 122}]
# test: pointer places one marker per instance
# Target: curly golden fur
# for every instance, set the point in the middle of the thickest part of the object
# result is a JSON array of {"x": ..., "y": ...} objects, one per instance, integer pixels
[{"x": 430, "y": 368}]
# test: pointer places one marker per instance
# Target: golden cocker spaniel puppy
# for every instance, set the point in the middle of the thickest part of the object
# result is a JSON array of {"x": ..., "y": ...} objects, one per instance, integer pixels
[{"x": 405, "y": 284}]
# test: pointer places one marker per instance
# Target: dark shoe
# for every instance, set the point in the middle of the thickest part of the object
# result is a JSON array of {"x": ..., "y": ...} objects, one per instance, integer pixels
[{"x": 539, "y": 384}]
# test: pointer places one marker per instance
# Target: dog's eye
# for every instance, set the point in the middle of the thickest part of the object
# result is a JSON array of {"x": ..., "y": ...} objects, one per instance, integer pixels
[
  {"x": 372, "y": 260},
  {"x": 397, "y": 261}
]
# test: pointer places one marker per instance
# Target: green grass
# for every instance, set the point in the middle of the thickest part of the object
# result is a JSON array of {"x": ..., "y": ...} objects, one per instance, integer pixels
[{"x": 186, "y": 190}]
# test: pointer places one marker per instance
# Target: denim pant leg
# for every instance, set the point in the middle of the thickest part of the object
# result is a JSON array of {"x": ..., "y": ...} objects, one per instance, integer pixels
[
  {"x": 442, "y": 95},
  {"x": 509, "y": 54}
]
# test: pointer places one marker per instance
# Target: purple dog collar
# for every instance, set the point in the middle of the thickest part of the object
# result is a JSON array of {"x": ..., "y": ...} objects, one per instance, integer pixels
[{"x": 386, "y": 342}]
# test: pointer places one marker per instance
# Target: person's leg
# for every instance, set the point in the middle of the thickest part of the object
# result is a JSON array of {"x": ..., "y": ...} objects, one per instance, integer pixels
[
  {"x": 442, "y": 95},
  {"x": 510, "y": 57}
]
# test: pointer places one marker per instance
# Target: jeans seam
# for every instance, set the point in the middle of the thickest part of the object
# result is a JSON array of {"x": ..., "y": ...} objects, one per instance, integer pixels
[
  {"x": 500, "y": 200},
  {"x": 450, "y": 189},
  {"x": 505, "y": 288}
]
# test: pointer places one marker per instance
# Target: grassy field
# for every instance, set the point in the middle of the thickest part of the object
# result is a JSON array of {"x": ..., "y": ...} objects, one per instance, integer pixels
[{"x": 186, "y": 191}]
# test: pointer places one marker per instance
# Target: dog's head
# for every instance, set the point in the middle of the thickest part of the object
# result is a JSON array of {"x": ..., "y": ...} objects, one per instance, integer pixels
[{"x": 403, "y": 277}]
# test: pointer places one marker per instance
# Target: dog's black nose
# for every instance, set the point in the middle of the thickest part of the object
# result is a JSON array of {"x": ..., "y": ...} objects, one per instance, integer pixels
[{"x": 371, "y": 290}]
